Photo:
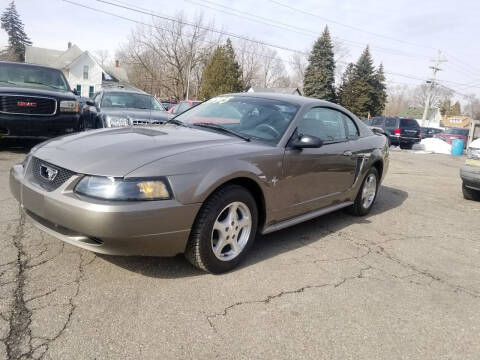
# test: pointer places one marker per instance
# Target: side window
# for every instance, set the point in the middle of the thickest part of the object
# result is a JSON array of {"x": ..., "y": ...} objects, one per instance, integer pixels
[
  {"x": 377, "y": 121},
  {"x": 326, "y": 124},
  {"x": 182, "y": 107},
  {"x": 391, "y": 123},
  {"x": 351, "y": 128}
]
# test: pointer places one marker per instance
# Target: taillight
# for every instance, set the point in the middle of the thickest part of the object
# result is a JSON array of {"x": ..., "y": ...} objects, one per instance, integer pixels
[
  {"x": 419, "y": 132},
  {"x": 397, "y": 132}
]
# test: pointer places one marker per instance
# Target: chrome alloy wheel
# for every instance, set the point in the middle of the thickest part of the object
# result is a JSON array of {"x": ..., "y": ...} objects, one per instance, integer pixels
[
  {"x": 231, "y": 231},
  {"x": 369, "y": 191}
]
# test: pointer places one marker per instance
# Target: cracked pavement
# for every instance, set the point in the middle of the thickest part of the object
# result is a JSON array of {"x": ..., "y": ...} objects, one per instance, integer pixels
[{"x": 401, "y": 283}]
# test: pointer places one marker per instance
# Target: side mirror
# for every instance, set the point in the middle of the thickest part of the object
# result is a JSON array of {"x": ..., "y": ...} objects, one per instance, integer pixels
[
  {"x": 306, "y": 141},
  {"x": 90, "y": 103},
  {"x": 377, "y": 130},
  {"x": 75, "y": 92}
]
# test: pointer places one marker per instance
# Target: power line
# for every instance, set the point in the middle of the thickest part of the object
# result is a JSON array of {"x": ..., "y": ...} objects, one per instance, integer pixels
[
  {"x": 296, "y": 29},
  {"x": 349, "y": 26},
  {"x": 409, "y": 76}
]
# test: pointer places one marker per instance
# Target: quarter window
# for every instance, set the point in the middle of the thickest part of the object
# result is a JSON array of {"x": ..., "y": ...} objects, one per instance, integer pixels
[
  {"x": 326, "y": 124},
  {"x": 390, "y": 123},
  {"x": 351, "y": 127}
]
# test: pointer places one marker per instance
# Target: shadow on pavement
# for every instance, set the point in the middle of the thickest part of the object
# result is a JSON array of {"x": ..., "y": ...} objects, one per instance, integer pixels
[
  {"x": 266, "y": 246},
  {"x": 19, "y": 146}
]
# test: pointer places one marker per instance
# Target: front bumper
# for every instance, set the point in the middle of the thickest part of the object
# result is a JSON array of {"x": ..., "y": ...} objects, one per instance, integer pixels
[
  {"x": 148, "y": 228},
  {"x": 28, "y": 126},
  {"x": 471, "y": 176}
]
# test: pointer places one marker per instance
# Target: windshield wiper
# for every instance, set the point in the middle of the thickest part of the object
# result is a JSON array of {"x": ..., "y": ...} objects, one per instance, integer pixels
[
  {"x": 222, "y": 129},
  {"x": 40, "y": 83},
  {"x": 8, "y": 82},
  {"x": 176, "y": 122}
]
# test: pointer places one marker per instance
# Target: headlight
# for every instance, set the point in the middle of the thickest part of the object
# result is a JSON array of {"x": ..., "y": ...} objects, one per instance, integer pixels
[
  {"x": 68, "y": 106},
  {"x": 109, "y": 188},
  {"x": 473, "y": 153},
  {"x": 117, "y": 121}
]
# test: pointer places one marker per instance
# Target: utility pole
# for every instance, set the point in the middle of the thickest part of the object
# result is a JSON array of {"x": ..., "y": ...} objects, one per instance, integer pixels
[{"x": 435, "y": 69}]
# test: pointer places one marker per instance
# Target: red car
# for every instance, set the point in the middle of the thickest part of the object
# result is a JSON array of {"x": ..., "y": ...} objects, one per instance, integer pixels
[
  {"x": 454, "y": 133},
  {"x": 183, "y": 106}
]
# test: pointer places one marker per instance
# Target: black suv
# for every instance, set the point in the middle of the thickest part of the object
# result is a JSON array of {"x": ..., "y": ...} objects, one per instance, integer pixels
[
  {"x": 401, "y": 132},
  {"x": 36, "y": 102},
  {"x": 116, "y": 107}
]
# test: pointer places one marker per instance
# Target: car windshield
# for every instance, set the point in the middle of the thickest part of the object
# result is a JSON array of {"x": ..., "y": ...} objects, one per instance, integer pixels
[
  {"x": 124, "y": 100},
  {"x": 32, "y": 76},
  {"x": 454, "y": 131},
  {"x": 253, "y": 117}
]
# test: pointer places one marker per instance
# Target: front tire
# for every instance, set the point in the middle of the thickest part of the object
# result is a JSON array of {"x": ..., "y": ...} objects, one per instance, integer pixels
[
  {"x": 366, "y": 195},
  {"x": 470, "y": 194},
  {"x": 224, "y": 230}
]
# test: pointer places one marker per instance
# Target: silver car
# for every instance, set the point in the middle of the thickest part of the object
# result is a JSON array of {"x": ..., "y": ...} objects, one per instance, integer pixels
[{"x": 206, "y": 182}]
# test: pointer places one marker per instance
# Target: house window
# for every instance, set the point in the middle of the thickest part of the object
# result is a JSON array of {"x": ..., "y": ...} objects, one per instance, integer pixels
[
  {"x": 91, "y": 91},
  {"x": 79, "y": 89},
  {"x": 85, "y": 72}
]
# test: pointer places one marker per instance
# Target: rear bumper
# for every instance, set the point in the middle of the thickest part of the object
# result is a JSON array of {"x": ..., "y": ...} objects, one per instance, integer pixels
[
  {"x": 397, "y": 140},
  {"x": 25, "y": 126},
  {"x": 471, "y": 176},
  {"x": 153, "y": 228}
]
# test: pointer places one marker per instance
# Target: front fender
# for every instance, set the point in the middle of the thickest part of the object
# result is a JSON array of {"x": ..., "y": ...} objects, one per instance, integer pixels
[{"x": 195, "y": 188}]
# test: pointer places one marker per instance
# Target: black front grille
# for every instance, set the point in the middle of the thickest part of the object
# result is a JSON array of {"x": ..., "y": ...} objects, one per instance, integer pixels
[
  {"x": 37, "y": 170},
  {"x": 30, "y": 105}
]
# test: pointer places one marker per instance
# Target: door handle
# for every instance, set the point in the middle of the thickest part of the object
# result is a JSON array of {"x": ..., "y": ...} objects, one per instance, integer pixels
[{"x": 348, "y": 153}]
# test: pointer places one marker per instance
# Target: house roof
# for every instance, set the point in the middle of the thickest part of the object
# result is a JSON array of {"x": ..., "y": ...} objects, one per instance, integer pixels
[
  {"x": 276, "y": 90},
  {"x": 41, "y": 56},
  {"x": 118, "y": 73},
  {"x": 64, "y": 59}
]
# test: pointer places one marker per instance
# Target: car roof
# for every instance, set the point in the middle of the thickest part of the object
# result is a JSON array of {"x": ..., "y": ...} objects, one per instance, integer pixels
[
  {"x": 28, "y": 65},
  {"x": 123, "y": 90}
]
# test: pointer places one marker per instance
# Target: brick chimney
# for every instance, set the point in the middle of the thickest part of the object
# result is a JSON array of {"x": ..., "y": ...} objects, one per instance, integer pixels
[
  {"x": 117, "y": 63},
  {"x": 69, "y": 44}
]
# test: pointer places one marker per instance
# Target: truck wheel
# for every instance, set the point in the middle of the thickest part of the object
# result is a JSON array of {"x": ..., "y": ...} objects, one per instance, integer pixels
[
  {"x": 224, "y": 230},
  {"x": 366, "y": 195},
  {"x": 470, "y": 194}
]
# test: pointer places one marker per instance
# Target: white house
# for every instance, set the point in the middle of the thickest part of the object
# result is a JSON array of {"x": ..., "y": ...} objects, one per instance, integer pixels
[{"x": 80, "y": 68}]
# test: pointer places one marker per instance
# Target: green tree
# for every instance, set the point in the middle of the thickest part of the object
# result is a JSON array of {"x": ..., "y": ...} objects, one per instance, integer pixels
[
  {"x": 13, "y": 25},
  {"x": 222, "y": 73},
  {"x": 319, "y": 79},
  {"x": 456, "y": 109},
  {"x": 380, "y": 95},
  {"x": 346, "y": 93},
  {"x": 363, "y": 88}
]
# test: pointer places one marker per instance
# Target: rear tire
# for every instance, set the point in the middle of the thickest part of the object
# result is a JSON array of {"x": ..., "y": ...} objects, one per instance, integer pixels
[
  {"x": 224, "y": 230},
  {"x": 365, "y": 197},
  {"x": 470, "y": 194}
]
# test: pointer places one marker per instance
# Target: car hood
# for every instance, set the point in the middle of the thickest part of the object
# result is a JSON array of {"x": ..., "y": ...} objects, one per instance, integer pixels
[
  {"x": 139, "y": 114},
  {"x": 118, "y": 151},
  {"x": 36, "y": 91}
]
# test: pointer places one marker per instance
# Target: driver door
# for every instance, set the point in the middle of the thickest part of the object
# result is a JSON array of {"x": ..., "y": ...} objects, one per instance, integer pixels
[{"x": 314, "y": 178}]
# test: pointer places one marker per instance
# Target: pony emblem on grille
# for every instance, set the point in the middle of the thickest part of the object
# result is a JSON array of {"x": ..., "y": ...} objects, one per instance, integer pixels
[{"x": 48, "y": 173}]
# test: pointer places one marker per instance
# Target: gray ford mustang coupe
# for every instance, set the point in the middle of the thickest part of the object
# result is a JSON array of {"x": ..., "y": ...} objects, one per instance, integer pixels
[{"x": 206, "y": 182}]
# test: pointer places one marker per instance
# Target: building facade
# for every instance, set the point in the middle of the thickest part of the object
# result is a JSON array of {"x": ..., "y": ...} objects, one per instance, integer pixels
[{"x": 83, "y": 72}]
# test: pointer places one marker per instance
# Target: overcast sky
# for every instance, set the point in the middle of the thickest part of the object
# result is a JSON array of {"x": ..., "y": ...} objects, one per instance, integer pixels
[{"x": 422, "y": 25}]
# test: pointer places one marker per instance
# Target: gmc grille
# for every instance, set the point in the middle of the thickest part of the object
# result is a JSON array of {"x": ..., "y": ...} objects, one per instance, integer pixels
[{"x": 27, "y": 105}]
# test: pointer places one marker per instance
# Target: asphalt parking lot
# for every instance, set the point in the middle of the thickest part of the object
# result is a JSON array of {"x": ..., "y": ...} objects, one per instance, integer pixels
[{"x": 401, "y": 283}]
